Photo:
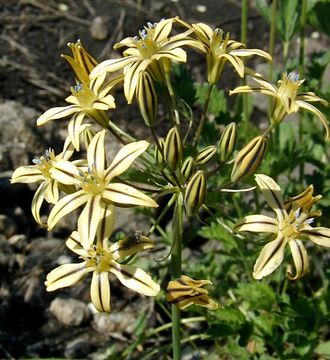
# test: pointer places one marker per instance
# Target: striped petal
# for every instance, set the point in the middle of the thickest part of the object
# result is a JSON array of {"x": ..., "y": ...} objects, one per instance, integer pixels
[
  {"x": 270, "y": 258},
  {"x": 74, "y": 244},
  {"x": 100, "y": 291},
  {"x": 89, "y": 220},
  {"x": 96, "y": 153},
  {"x": 66, "y": 275},
  {"x": 203, "y": 31},
  {"x": 37, "y": 201},
  {"x": 135, "y": 279},
  {"x": 236, "y": 62},
  {"x": 106, "y": 224},
  {"x": 27, "y": 174},
  {"x": 250, "y": 89},
  {"x": 201, "y": 300},
  {"x": 300, "y": 259},
  {"x": 162, "y": 30},
  {"x": 65, "y": 172},
  {"x": 319, "y": 235},
  {"x": 249, "y": 52},
  {"x": 57, "y": 113},
  {"x": 68, "y": 150},
  {"x": 124, "y": 195},
  {"x": 130, "y": 245},
  {"x": 316, "y": 112},
  {"x": 66, "y": 205},
  {"x": 176, "y": 54},
  {"x": 273, "y": 195},
  {"x": 311, "y": 97},
  {"x": 74, "y": 129},
  {"x": 124, "y": 158},
  {"x": 257, "y": 223},
  {"x": 112, "y": 65},
  {"x": 132, "y": 77},
  {"x": 51, "y": 193}
]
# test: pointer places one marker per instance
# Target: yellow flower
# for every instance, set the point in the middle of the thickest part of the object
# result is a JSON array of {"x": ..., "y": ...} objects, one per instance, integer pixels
[
  {"x": 186, "y": 291},
  {"x": 287, "y": 99},
  {"x": 102, "y": 259},
  {"x": 219, "y": 49},
  {"x": 87, "y": 100},
  {"x": 291, "y": 226},
  {"x": 82, "y": 62},
  {"x": 153, "y": 49},
  {"x": 96, "y": 187},
  {"x": 41, "y": 172}
]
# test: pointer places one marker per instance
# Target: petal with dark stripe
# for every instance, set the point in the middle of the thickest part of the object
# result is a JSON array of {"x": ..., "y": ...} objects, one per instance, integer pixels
[
  {"x": 100, "y": 291},
  {"x": 57, "y": 113},
  {"x": 65, "y": 172},
  {"x": 106, "y": 223},
  {"x": 37, "y": 201},
  {"x": 257, "y": 223},
  {"x": 27, "y": 174},
  {"x": 51, "y": 194},
  {"x": 135, "y": 279},
  {"x": 125, "y": 158},
  {"x": 162, "y": 30},
  {"x": 96, "y": 153},
  {"x": 74, "y": 128},
  {"x": 66, "y": 275},
  {"x": 89, "y": 220},
  {"x": 270, "y": 258},
  {"x": 319, "y": 235},
  {"x": 300, "y": 259},
  {"x": 66, "y": 205},
  {"x": 74, "y": 244},
  {"x": 112, "y": 65},
  {"x": 132, "y": 77},
  {"x": 124, "y": 195}
]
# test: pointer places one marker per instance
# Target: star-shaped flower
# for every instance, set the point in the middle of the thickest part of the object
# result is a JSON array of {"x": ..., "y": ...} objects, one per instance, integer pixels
[
  {"x": 219, "y": 49},
  {"x": 102, "y": 259},
  {"x": 41, "y": 172},
  {"x": 291, "y": 226},
  {"x": 153, "y": 49},
  {"x": 96, "y": 185},
  {"x": 287, "y": 99}
]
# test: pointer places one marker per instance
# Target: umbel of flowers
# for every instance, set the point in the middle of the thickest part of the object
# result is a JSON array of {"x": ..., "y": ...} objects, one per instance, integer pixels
[{"x": 141, "y": 174}]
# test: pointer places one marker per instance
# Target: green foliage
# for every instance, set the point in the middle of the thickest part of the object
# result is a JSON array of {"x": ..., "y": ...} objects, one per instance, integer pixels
[{"x": 319, "y": 15}]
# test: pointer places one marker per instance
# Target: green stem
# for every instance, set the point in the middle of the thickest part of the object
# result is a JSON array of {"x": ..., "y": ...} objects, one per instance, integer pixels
[
  {"x": 272, "y": 47},
  {"x": 244, "y": 17},
  {"x": 203, "y": 116},
  {"x": 176, "y": 258},
  {"x": 301, "y": 72},
  {"x": 174, "y": 111}
]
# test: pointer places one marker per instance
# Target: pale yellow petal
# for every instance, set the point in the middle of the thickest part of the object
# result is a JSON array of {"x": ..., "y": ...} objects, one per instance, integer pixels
[
  {"x": 96, "y": 153},
  {"x": 27, "y": 174},
  {"x": 162, "y": 30},
  {"x": 249, "y": 52},
  {"x": 66, "y": 205},
  {"x": 257, "y": 223},
  {"x": 106, "y": 224},
  {"x": 112, "y": 65},
  {"x": 273, "y": 195},
  {"x": 74, "y": 129},
  {"x": 125, "y": 157},
  {"x": 37, "y": 201},
  {"x": 132, "y": 77},
  {"x": 270, "y": 258},
  {"x": 66, "y": 275},
  {"x": 74, "y": 244},
  {"x": 176, "y": 54},
  {"x": 236, "y": 62},
  {"x": 52, "y": 193},
  {"x": 100, "y": 291},
  {"x": 89, "y": 220},
  {"x": 65, "y": 172},
  {"x": 135, "y": 279},
  {"x": 319, "y": 235},
  {"x": 300, "y": 259},
  {"x": 57, "y": 113},
  {"x": 124, "y": 195}
]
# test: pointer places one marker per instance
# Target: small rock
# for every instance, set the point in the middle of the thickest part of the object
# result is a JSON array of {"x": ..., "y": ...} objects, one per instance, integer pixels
[
  {"x": 114, "y": 322},
  {"x": 7, "y": 256},
  {"x": 77, "y": 348},
  {"x": 98, "y": 29},
  {"x": 18, "y": 241},
  {"x": 70, "y": 312},
  {"x": 7, "y": 226}
]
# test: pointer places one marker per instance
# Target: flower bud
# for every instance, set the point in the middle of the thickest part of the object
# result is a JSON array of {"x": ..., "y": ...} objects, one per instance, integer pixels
[
  {"x": 187, "y": 167},
  {"x": 249, "y": 158},
  {"x": 228, "y": 141},
  {"x": 173, "y": 149},
  {"x": 147, "y": 99},
  {"x": 159, "y": 154},
  {"x": 195, "y": 193},
  {"x": 205, "y": 155}
]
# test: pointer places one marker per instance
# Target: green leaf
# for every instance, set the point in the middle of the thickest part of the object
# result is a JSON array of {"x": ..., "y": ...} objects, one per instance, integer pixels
[
  {"x": 323, "y": 349},
  {"x": 258, "y": 295},
  {"x": 218, "y": 100},
  {"x": 319, "y": 16}
]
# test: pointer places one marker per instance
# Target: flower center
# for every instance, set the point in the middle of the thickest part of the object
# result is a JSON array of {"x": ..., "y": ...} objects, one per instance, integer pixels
[
  {"x": 145, "y": 43},
  {"x": 84, "y": 95},
  {"x": 45, "y": 162},
  {"x": 91, "y": 182},
  {"x": 99, "y": 258},
  {"x": 289, "y": 86}
]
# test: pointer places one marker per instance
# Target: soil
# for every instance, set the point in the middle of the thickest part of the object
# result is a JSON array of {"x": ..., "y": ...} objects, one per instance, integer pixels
[{"x": 33, "y": 35}]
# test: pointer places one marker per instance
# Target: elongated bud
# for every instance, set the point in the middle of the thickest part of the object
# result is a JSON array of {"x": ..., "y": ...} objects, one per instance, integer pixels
[
  {"x": 205, "y": 155},
  {"x": 195, "y": 193},
  {"x": 228, "y": 141},
  {"x": 249, "y": 158},
  {"x": 173, "y": 149},
  {"x": 158, "y": 154},
  {"x": 147, "y": 99},
  {"x": 187, "y": 167}
]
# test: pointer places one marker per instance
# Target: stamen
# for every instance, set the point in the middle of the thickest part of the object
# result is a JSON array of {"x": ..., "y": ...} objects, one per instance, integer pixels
[
  {"x": 297, "y": 213},
  {"x": 36, "y": 161},
  {"x": 293, "y": 76},
  {"x": 309, "y": 221},
  {"x": 78, "y": 87}
]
